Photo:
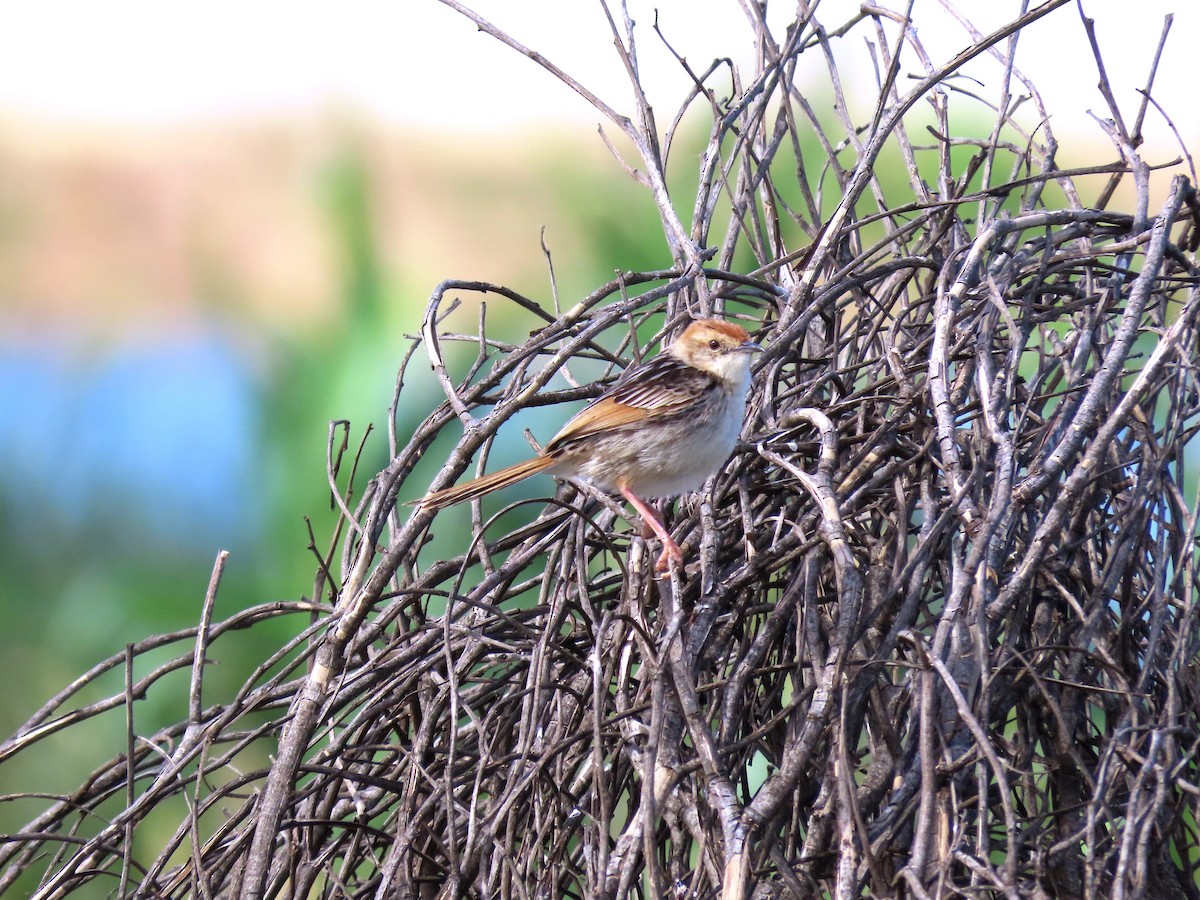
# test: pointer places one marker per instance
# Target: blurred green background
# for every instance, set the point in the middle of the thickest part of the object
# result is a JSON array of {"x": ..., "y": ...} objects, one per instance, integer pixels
[{"x": 143, "y": 436}]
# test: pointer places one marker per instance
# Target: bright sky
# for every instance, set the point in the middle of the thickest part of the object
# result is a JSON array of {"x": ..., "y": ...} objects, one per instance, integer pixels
[{"x": 419, "y": 62}]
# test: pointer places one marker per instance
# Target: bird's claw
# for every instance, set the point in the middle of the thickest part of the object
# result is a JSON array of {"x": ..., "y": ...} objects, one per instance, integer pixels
[{"x": 670, "y": 551}]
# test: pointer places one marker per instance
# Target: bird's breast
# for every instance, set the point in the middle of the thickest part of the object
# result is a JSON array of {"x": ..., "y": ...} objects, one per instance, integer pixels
[{"x": 670, "y": 455}]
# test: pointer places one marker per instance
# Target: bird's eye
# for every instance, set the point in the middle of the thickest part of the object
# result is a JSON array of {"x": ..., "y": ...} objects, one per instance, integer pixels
[{"x": 714, "y": 344}]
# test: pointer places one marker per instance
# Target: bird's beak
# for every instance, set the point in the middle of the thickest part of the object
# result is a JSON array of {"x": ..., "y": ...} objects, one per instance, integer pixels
[{"x": 748, "y": 347}]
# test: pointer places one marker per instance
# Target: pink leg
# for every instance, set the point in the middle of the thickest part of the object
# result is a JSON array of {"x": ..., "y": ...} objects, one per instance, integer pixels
[{"x": 670, "y": 548}]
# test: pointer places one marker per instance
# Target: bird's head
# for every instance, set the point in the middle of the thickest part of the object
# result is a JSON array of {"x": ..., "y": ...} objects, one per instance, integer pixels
[{"x": 720, "y": 348}]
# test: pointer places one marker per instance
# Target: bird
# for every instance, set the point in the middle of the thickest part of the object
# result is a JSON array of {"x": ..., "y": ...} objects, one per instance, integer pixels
[{"x": 660, "y": 430}]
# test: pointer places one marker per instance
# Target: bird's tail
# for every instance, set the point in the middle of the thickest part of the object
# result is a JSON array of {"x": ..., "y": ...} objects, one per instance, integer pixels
[{"x": 477, "y": 487}]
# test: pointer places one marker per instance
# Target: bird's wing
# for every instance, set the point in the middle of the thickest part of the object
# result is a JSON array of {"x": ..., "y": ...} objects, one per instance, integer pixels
[{"x": 661, "y": 386}]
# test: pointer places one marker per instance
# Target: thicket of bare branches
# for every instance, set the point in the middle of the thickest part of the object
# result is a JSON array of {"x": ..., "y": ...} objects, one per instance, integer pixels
[{"x": 937, "y": 631}]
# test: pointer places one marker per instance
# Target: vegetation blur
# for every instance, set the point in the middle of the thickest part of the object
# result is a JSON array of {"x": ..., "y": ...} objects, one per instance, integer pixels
[{"x": 173, "y": 364}]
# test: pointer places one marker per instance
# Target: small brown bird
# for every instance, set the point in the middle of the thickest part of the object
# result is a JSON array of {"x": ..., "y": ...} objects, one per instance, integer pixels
[{"x": 662, "y": 429}]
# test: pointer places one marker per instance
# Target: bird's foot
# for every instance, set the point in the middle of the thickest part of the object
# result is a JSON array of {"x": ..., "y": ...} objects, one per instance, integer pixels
[{"x": 670, "y": 552}]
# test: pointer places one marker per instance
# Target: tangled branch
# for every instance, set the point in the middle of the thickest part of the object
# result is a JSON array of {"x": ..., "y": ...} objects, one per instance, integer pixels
[{"x": 937, "y": 632}]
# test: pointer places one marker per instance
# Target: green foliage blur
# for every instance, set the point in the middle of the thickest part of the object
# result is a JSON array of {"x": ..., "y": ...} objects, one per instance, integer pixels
[{"x": 77, "y": 587}]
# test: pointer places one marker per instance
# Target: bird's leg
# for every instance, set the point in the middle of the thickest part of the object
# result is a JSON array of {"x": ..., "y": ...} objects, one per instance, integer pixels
[{"x": 670, "y": 548}]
